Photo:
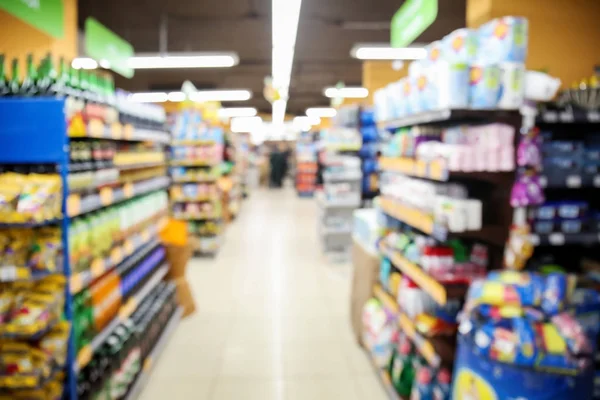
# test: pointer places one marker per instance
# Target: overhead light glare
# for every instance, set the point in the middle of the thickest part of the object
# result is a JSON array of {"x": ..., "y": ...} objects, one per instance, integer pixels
[
  {"x": 149, "y": 97},
  {"x": 388, "y": 53},
  {"x": 221, "y": 95},
  {"x": 183, "y": 60},
  {"x": 84, "y": 63},
  {"x": 237, "y": 112},
  {"x": 176, "y": 97},
  {"x": 346, "y": 92},
  {"x": 246, "y": 124},
  {"x": 321, "y": 112}
]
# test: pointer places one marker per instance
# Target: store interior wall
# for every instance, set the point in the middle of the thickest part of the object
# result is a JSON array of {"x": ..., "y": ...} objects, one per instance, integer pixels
[
  {"x": 378, "y": 74},
  {"x": 17, "y": 38},
  {"x": 560, "y": 33}
]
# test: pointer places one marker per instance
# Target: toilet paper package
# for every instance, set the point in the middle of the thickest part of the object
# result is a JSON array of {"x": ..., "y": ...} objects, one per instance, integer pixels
[
  {"x": 503, "y": 39},
  {"x": 512, "y": 84},
  {"x": 460, "y": 46},
  {"x": 451, "y": 85},
  {"x": 484, "y": 88}
]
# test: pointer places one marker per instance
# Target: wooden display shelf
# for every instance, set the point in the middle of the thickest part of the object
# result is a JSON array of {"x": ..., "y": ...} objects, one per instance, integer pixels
[{"x": 411, "y": 216}]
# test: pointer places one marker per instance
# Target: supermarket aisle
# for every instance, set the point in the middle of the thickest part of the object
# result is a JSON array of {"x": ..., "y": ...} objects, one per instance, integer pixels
[{"x": 272, "y": 317}]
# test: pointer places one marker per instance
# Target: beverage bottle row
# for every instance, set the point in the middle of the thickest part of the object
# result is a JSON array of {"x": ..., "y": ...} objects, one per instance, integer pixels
[{"x": 49, "y": 78}]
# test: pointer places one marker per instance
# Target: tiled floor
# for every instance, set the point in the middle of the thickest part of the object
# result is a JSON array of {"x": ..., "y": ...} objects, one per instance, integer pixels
[{"x": 272, "y": 319}]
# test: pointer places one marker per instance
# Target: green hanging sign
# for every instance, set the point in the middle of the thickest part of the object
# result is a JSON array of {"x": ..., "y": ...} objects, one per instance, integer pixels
[
  {"x": 45, "y": 15},
  {"x": 105, "y": 46},
  {"x": 411, "y": 20}
]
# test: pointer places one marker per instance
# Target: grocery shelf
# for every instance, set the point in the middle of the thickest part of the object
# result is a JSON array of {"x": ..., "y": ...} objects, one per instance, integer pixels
[
  {"x": 434, "y": 170},
  {"x": 84, "y": 355},
  {"x": 125, "y": 167},
  {"x": 78, "y": 204},
  {"x": 341, "y": 177},
  {"x": 385, "y": 298},
  {"x": 192, "y": 142},
  {"x": 568, "y": 117},
  {"x": 194, "y": 180},
  {"x": 196, "y": 217},
  {"x": 11, "y": 273},
  {"x": 449, "y": 116},
  {"x": 561, "y": 239},
  {"x": 574, "y": 181},
  {"x": 349, "y": 203},
  {"x": 37, "y": 224},
  {"x": 413, "y": 217},
  {"x": 384, "y": 378},
  {"x": 193, "y": 163},
  {"x": 150, "y": 360},
  {"x": 422, "y": 345},
  {"x": 343, "y": 147},
  {"x": 431, "y": 286},
  {"x": 139, "y": 242},
  {"x": 97, "y": 129},
  {"x": 194, "y": 199}
]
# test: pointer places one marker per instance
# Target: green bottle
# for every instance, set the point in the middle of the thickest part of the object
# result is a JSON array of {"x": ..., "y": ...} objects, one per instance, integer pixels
[
  {"x": 51, "y": 74},
  {"x": 28, "y": 87},
  {"x": 93, "y": 82},
  {"x": 74, "y": 79},
  {"x": 42, "y": 82},
  {"x": 15, "y": 83},
  {"x": 4, "y": 89},
  {"x": 63, "y": 79},
  {"x": 84, "y": 83}
]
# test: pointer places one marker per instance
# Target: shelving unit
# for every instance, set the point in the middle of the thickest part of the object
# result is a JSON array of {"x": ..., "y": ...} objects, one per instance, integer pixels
[{"x": 36, "y": 132}]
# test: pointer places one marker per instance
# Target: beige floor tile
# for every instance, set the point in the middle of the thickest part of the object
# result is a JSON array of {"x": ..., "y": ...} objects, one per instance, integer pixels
[
  {"x": 247, "y": 389},
  {"x": 160, "y": 387},
  {"x": 316, "y": 360},
  {"x": 370, "y": 387},
  {"x": 321, "y": 389}
]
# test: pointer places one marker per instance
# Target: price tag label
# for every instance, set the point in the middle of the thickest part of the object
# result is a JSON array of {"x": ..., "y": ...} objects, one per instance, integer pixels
[
  {"x": 116, "y": 130},
  {"x": 145, "y": 235},
  {"x": 128, "y": 132},
  {"x": 8, "y": 274},
  {"x": 84, "y": 356},
  {"x": 128, "y": 190},
  {"x": 73, "y": 205},
  {"x": 128, "y": 247},
  {"x": 574, "y": 181},
  {"x": 97, "y": 268},
  {"x": 96, "y": 128},
  {"x": 127, "y": 309},
  {"x": 106, "y": 196},
  {"x": 116, "y": 255},
  {"x": 76, "y": 283}
]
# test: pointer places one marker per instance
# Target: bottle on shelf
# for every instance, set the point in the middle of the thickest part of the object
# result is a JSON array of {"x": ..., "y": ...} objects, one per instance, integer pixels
[
  {"x": 29, "y": 85},
  {"x": 4, "y": 86},
  {"x": 15, "y": 81}
]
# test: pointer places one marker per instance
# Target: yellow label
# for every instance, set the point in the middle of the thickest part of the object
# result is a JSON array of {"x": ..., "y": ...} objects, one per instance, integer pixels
[
  {"x": 128, "y": 131},
  {"x": 116, "y": 130},
  {"x": 84, "y": 356},
  {"x": 76, "y": 283},
  {"x": 148, "y": 364},
  {"x": 106, "y": 196},
  {"x": 97, "y": 267},
  {"x": 128, "y": 247},
  {"x": 145, "y": 235},
  {"x": 96, "y": 128},
  {"x": 128, "y": 190},
  {"x": 73, "y": 205},
  {"x": 76, "y": 126},
  {"x": 116, "y": 255},
  {"x": 127, "y": 309}
]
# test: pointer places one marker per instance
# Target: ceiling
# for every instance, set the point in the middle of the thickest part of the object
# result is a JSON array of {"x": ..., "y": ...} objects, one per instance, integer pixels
[{"x": 326, "y": 34}]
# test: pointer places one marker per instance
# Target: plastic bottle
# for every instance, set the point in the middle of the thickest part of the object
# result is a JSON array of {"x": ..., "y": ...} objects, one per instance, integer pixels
[
  {"x": 423, "y": 387},
  {"x": 402, "y": 372}
]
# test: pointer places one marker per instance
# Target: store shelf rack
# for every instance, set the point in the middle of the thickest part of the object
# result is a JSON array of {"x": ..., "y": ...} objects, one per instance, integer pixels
[
  {"x": 35, "y": 131},
  {"x": 449, "y": 116}
]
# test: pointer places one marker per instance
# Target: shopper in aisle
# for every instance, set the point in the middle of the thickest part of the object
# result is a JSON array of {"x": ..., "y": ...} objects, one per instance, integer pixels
[{"x": 278, "y": 161}]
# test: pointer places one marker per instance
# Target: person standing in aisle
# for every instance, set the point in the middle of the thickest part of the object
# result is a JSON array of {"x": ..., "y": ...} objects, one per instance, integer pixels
[{"x": 278, "y": 165}]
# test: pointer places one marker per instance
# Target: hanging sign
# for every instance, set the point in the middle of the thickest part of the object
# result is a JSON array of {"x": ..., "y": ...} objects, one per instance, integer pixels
[
  {"x": 411, "y": 20},
  {"x": 45, "y": 15},
  {"x": 104, "y": 45}
]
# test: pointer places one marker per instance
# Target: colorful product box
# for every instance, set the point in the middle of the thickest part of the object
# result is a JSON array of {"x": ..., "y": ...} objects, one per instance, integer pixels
[{"x": 503, "y": 39}]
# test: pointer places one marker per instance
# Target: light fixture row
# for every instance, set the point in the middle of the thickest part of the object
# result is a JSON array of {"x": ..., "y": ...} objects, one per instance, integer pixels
[
  {"x": 172, "y": 60},
  {"x": 199, "y": 96}
]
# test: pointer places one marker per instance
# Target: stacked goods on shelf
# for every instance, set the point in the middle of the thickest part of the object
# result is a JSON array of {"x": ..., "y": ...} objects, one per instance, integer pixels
[
  {"x": 446, "y": 183},
  {"x": 101, "y": 239},
  {"x": 341, "y": 195},
  {"x": 196, "y": 157},
  {"x": 306, "y": 165},
  {"x": 362, "y": 119}
]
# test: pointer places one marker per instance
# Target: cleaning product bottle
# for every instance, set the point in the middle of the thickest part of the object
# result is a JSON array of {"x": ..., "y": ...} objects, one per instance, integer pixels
[
  {"x": 423, "y": 387},
  {"x": 441, "y": 391},
  {"x": 402, "y": 372}
]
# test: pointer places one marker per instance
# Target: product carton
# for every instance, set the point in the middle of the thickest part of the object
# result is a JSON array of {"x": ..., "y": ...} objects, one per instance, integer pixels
[
  {"x": 185, "y": 297},
  {"x": 178, "y": 257}
]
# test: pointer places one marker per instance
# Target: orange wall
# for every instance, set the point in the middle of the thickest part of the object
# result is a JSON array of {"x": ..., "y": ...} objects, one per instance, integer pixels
[
  {"x": 378, "y": 74},
  {"x": 563, "y": 34},
  {"x": 18, "y": 38}
]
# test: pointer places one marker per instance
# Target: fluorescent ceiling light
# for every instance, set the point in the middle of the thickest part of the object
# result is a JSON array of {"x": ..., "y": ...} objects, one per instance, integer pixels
[
  {"x": 221, "y": 95},
  {"x": 283, "y": 58},
  {"x": 321, "y": 112},
  {"x": 199, "y": 96},
  {"x": 246, "y": 124},
  {"x": 374, "y": 52},
  {"x": 279, "y": 107},
  {"x": 149, "y": 97},
  {"x": 346, "y": 92},
  {"x": 84, "y": 63},
  {"x": 183, "y": 60},
  {"x": 237, "y": 112},
  {"x": 284, "y": 28}
]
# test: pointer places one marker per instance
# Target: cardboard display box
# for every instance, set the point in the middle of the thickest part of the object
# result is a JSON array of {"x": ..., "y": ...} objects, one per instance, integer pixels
[
  {"x": 178, "y": 257},
  {"x": 365, "y": 275},
  {"x": 185, "y": 297}
]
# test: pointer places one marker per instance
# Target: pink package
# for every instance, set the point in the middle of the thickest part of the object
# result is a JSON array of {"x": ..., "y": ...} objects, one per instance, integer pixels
[
  {"x": 493, "y": 160},
  {"x": 480, "y": 159},
  {"x": 507, "y": 159}
]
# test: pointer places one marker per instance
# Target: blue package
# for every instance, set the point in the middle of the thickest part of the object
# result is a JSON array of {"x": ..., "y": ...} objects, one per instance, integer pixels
[
  {"x": 567, "y": 148},
  {"x": 572, "y": 209},
  {"x": 527, "y": 350},
  {"x": 572, "y": 226},
  {"x": 385, "y": 269},
  {"x": 460, "y": 46},
  {"x": 484, "y": 86},
  {"x": 555, "y": 293},
  {"x": 503, "y": 39},
  {"x": 546, "y": 211}
]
